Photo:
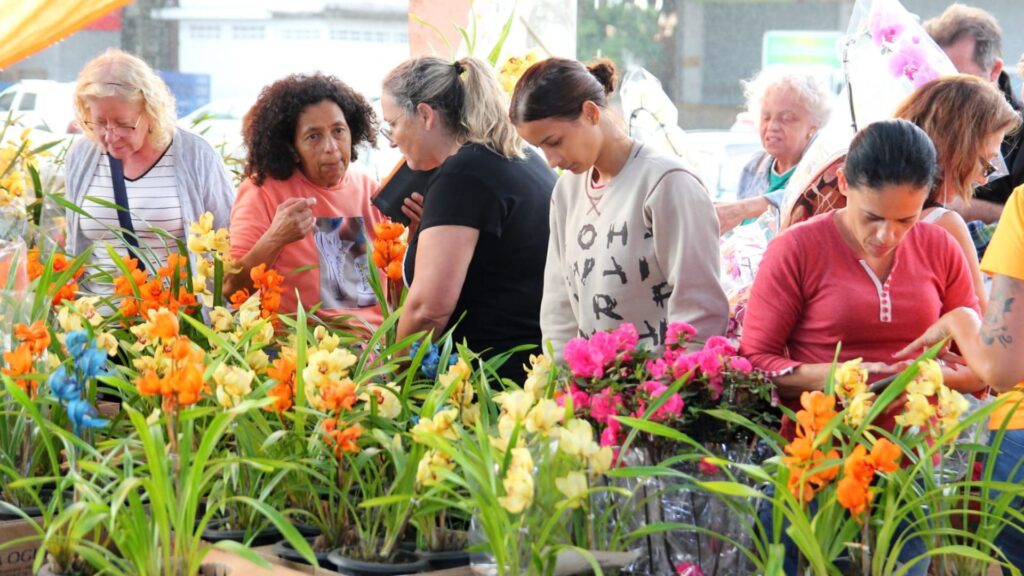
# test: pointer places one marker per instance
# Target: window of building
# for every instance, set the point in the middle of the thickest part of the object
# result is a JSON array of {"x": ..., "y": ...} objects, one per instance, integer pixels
[
  {"x": 343, "y": 35},
  {"x": 302, "y": 34},
  {"x": 401, "y": 37},
  {"x": 248, "y": 32},
  {"x": 204, "y": 31}
]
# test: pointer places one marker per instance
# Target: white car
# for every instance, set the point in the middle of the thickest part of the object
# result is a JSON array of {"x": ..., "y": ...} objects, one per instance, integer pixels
[
  {"x": 41, "y": 105},
  {"x": 719, "y": 156}
]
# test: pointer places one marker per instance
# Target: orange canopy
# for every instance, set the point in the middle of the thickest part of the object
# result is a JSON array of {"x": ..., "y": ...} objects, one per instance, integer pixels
[{"x": 28, "y": 26}]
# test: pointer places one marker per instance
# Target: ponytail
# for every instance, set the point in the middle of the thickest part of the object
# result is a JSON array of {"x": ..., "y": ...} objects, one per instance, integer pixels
[{"x": 465, "y": 93}]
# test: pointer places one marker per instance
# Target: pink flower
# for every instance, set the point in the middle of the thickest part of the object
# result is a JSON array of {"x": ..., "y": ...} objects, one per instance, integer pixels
[
  {"x": 741, "y": 365},
  {"x": 721, "y": 345},
  {"x": 610, "y": 435},
  {"x": 685, "y": 363},
  {"x": 580, "y": 399},
  {"x": 577, "y": 356},
  {"x": 603, "y": 348},
  {"x": 688, "y": 569},
  {"x": 707, "y": 467},
  {"x": 885, "y": 27},
  {"x": 626, "y": 338},
  {"x": 604, "y": 405},
  {"x": 657, "y": 368},
  {"x": 673, "y": 406},
  {"x": 678, "y": 334},
  {"x": 911, "y": 60},
  {"x": 709, "y": 362}
]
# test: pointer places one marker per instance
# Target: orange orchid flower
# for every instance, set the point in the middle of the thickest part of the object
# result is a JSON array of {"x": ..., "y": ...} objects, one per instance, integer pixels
[
  {"x": 388, "y": 230},
  {"x": 282, "y": 370},
  {"x": 37, "y": 336},
  {"x": 340, "y": 395},
  {"x": 165, "y": 324},
  {"x": 818, "y": 411},
  {"x": 853, "y": 495},
  {"x": 19, "y": 363},
  {"x": 885, "y": 456},
  {"x": 35, "y": 267}
]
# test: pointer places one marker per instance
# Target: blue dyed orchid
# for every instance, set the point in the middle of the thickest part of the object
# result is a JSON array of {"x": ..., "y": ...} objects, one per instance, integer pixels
[
  {"x": 431, "y": 360},
  {"x": 87, "y": 362}
]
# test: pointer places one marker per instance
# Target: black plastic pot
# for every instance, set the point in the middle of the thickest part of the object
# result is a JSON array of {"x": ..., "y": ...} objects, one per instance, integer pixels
[
  {"x": 266, "y": 536},
  {"x": 407, "y": 563},
  {"x": 284, "y": 549},
  {"x": 445, "y": 559},
  {"x": 307, "y": 530},
  {"x": 46, "y": 494}
]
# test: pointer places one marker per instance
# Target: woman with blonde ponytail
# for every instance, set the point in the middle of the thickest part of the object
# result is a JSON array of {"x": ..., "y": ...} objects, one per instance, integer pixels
[
  {"x": 634, "y": 236},
  {"x": 476, "y": 260}
]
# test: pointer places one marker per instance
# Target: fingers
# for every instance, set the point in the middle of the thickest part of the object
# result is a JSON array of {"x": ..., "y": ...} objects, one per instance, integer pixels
[{"x": 913, "y": 349}]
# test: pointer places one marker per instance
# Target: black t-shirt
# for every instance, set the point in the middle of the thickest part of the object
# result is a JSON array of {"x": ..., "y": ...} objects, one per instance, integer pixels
[{"x": 508, "y": 201}]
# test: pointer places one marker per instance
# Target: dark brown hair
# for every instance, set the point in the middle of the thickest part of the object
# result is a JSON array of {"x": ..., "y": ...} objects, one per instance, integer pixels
[
  {"x": 558, "y": 87},
  {"x": 269, "y": 126}
]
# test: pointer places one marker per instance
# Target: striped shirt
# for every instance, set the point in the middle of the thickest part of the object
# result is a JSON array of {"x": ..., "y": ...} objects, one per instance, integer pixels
[{"x": 155, "y": 210}]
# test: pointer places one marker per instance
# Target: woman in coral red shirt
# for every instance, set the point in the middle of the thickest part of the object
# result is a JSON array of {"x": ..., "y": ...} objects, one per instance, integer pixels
[{"x": 869, "y": 276}]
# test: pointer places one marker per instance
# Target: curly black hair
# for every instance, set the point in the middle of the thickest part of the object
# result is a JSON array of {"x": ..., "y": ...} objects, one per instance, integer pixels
[{"x": 269, "y": 126}]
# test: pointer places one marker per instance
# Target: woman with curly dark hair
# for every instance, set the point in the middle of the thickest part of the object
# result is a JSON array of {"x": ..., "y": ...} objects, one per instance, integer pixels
[{"x": 300, "y": 210}]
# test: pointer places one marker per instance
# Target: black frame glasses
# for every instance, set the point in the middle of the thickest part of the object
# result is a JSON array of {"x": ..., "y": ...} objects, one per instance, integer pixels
[{"x": 987, "y": 168}]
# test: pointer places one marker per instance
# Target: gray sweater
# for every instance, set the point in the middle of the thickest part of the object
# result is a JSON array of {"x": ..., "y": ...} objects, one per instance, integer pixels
[
  {"x": 644, "y": 249},
  {"x": 203, "y": 183}
]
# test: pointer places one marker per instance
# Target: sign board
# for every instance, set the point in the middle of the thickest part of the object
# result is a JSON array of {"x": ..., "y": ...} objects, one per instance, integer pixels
[{"x": 801, "y": 48}]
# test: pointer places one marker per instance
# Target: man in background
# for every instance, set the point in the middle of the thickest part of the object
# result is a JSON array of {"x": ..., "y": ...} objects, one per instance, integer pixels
[{"x": 972, "y": 39}]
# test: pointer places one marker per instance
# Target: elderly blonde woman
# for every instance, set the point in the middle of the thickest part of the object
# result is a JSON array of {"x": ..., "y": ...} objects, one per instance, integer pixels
[
  {"x": 134, "y": 157},
  {"x": 791, "y": 107}
]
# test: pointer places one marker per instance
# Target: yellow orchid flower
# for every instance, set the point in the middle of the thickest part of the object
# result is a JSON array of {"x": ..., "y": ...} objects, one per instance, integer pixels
[
  {"x": 850, "y": 379},
  {"x": 573, "y": 486},
  {"x": 858, "y": 407},
  {"x": 544, "y": 416},
  {"x": 917, "y": 411}
]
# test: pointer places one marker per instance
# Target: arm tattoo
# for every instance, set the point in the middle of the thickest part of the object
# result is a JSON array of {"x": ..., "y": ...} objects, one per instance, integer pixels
[{"x": 996, "y": 329}]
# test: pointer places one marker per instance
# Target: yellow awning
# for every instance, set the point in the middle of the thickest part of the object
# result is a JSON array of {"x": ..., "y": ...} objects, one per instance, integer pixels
[{"x": 28, "y": 26}]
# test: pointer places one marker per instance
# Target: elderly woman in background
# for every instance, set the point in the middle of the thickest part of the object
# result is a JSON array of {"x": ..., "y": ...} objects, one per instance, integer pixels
[
  {"x": 300, "y": 209},
  {"x": 790, "y": 107},
  {"x": 476, "y": 262},
  {"x": 162, "y": 177}
]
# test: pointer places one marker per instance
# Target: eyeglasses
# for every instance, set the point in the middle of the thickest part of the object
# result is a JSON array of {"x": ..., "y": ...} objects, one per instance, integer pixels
[
  {"x": 119, "y": 130},
  {"x": 987, "y": 168},
  {"x": 387, "y": 132}
]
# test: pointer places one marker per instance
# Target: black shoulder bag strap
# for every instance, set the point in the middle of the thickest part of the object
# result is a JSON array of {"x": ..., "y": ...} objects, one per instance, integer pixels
[{"x": 124, "y": 216}]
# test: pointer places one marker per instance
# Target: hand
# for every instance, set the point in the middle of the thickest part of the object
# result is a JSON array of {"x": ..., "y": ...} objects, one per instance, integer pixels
[
  {"x": 412, "y": 207},
  {"x": 941, "y": 330},
  {"x": 732, "y": 214},
  {"x": 293, "y": 220},
  {"x": 884, "y": 369}
]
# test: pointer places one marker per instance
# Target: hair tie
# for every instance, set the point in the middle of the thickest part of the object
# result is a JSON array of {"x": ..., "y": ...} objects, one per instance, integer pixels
[{"x": 459, "y": 68}]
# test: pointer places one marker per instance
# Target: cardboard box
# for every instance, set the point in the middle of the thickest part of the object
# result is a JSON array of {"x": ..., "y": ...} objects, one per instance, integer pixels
[{"x": 17, "y": 560}]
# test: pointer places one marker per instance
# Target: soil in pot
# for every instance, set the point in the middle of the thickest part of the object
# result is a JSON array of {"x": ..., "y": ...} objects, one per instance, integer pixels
[
  {"x": 405, "y": 563},
  {"x": 45, "y": 495},
  {"x": 215, "y": 533},
  {"x": 284, "y": 549}
]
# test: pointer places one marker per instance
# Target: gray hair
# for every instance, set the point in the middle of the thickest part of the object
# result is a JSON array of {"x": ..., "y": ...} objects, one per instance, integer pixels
[
  {"x": 957, "y": 20},
  {"x": 809, "y": 88}
]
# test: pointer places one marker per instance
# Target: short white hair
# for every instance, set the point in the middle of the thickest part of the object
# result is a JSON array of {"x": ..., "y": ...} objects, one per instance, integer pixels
[{"x": 809, "y": 88}]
